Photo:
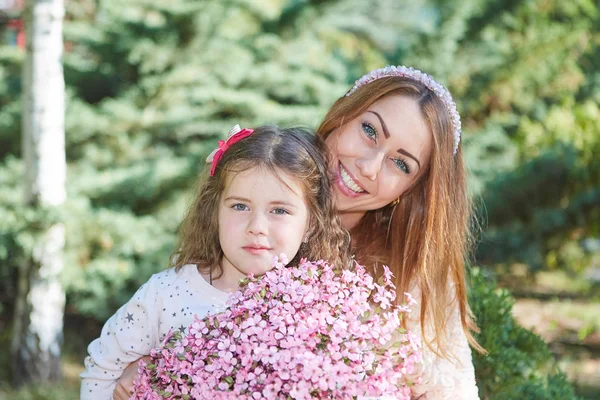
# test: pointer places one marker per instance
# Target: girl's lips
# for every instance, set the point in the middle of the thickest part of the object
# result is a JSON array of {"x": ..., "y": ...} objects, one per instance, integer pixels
[
  {"x": 346, "y": 191},
  {"x": 256, "y": 250}
]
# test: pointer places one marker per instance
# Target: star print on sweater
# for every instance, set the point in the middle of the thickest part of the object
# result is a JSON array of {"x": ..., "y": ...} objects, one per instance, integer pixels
[{"x": 168, "y": 301}]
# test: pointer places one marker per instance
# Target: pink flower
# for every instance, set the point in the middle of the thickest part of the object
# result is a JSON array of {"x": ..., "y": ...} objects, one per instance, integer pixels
[
  {"x": 301, "y": 332},
  {"x": 409, "y": 299}
]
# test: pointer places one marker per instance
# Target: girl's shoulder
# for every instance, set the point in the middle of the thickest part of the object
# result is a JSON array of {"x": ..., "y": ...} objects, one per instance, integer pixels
[
  {"x": 174, "y": 277},
  {"x": 185, "y": 280}
]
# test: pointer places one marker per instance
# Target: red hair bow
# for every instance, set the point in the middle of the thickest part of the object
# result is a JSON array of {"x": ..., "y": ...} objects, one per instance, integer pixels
[{"x": 235, "y": 135}]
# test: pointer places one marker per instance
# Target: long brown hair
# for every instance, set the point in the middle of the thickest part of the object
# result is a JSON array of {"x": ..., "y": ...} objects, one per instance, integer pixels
[
  {"x": 425, "y": 238},
  {"x": 294, "y": 151}
]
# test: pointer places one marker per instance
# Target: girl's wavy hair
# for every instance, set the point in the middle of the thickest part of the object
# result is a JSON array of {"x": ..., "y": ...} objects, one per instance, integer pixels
[
  {"x": 299, "y": 154},
  {"x": 425, "y": 238}
]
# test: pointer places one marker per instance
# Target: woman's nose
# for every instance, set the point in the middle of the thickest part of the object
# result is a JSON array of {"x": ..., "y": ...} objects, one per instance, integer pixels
[{"x": 370, "y": 165}]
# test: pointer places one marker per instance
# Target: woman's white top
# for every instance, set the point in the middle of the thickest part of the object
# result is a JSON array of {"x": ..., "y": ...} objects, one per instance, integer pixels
[{"x": 445, "y": 379}]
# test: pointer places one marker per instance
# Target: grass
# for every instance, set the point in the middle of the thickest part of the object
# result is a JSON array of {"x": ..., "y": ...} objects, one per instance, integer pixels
[
  {"x": 68, "y": 389},
  {"x": 565, "y": 311},
  {"x": 78, "y": 332}
]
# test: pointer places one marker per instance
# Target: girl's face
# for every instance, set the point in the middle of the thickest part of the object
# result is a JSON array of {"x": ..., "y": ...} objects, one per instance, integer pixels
[
  {"x": 261, "y": 215},
  {"x": 378, "y": 156}
]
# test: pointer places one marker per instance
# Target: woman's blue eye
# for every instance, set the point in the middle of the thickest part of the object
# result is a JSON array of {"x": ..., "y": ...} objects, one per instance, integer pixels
[
  {"x": 369, "y": 130},
  {"x": 402, "y": 165},
  {"x": 239, "y": 207},
  {"x": 280, "y": 211}
]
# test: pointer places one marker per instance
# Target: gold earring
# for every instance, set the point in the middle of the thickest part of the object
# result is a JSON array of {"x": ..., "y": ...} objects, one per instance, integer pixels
[{"x": 395, "y": 202}]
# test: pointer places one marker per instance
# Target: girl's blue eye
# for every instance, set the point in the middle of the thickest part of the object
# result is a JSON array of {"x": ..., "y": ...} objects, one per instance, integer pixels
[
  {"x": 280, "y": 211},
  {"x": 239, "y": 207},
  {"x": 369, "y": 130},
  {"x": 402, "y": 165}
]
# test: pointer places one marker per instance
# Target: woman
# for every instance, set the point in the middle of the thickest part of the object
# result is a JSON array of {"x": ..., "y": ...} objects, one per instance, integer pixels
[{"x": 400, "y": 186}]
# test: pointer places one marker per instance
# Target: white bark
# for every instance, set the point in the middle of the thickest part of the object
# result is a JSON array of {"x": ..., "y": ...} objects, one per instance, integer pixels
[
  {"x": 43, "y": 103},
  {"x": 39, "y": 309}
]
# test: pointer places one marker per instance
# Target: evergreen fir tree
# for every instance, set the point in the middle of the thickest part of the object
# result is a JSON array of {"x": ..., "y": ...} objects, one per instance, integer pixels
[{"x": 152, "y": 85}]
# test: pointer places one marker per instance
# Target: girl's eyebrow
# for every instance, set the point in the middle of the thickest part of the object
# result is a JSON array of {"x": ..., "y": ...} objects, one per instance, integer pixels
[
  {"x": 386, "y": 133},
  {"x": 282, "y": 203},
  {"x": 236, "y": 198},
  {"x": 272, "y": 203}
]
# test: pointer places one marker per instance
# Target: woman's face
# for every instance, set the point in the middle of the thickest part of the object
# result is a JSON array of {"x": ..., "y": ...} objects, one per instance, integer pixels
[{"x": 378, "y": 156}]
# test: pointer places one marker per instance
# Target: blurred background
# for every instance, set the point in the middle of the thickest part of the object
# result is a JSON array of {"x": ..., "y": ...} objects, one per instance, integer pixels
[{"x": 151, "y": 85}]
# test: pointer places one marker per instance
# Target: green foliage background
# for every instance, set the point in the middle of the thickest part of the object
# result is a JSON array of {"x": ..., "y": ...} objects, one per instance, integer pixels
[{"x": 152, "y": 85}]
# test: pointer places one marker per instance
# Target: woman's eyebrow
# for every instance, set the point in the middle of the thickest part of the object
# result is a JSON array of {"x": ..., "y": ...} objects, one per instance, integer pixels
[
  {"x": 386, "y": 133},
  {"x": 406, "y": 153}
]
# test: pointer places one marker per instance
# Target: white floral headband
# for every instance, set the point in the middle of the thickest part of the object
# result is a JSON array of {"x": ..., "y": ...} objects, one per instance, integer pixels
[{"x": 419, "y": 76}]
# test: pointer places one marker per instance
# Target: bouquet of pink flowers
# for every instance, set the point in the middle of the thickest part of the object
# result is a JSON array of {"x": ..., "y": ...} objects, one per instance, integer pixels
[{"x": 310, "y": 331}]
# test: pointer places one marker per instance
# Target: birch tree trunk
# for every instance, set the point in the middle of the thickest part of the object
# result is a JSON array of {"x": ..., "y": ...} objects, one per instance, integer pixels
[{"x": 38, "y": 319}]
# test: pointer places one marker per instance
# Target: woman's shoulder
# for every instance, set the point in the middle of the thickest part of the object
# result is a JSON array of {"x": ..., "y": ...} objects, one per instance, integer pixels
[
  {"x": 451, "y": 314},
  {"x": 450, "y": 376},
  {"x": 416, "y": 289}
]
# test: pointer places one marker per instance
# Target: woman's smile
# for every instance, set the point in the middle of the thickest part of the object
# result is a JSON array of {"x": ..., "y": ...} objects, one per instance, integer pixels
[{"x": 348, "y": 184}]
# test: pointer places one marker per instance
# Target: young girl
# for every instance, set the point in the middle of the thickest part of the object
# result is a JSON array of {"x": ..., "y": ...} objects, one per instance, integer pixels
[{"x": 268, "y": 193}]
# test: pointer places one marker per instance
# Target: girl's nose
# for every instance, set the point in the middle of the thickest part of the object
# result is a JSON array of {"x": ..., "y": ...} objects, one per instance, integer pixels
[
  {"x": 258, "y": 224},
  {"x": 370, "y": 165}
]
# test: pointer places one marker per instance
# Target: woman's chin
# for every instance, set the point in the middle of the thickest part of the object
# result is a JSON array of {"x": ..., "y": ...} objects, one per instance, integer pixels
[{"x": 345, "y": 205}]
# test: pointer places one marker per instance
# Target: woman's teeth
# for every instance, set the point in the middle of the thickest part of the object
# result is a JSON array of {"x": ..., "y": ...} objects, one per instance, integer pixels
[{"x": 349, "y": 182}]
